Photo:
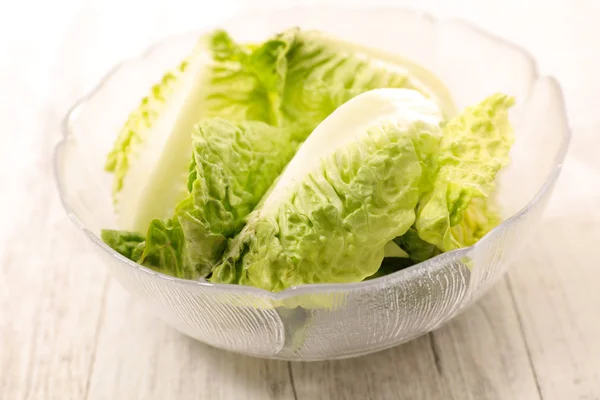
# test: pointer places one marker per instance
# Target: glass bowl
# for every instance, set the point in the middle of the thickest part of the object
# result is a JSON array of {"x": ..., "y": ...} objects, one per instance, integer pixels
[{"x": 326, "y": 321}]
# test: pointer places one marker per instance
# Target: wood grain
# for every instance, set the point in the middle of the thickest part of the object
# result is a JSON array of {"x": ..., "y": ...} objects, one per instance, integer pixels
[
  {"x": 404, "y": 372},
  {"x": 482, "y": 352},
  {"x": 52, "y": 302},
  {"x": 557, "y": 293}
]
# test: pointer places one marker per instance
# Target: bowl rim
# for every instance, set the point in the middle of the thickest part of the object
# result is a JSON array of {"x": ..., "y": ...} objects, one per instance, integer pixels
[{"x": 314, "y": 288}]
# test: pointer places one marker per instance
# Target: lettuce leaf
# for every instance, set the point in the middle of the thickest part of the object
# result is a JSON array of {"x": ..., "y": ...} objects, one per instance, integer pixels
[
  {"x": 389, "y": 265},
  {"x": 477, "y": 220},
  {"x": 160, "y": 249},
  {"x": 325, "y": 72},
  {"x": 235, "y": 165},
  {"x": 417, "y": 249},
  {"x": 124, "y": 242},
  {"x": 474, "y": 147}
]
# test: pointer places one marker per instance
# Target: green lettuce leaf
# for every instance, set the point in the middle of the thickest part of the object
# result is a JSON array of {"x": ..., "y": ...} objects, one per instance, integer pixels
[
  {"x": 324, "y": 72},
  {"x": 417, "y": 249},
  {"x": 163, "y": 249},
  {"x": 341, "y": 199},
  {"x": 393, "y": 250},
  {"x": 160, "y": 249},
  {"x": 235, "y": 164},
  {"x": 474, "y": 147},
  {"x": 124, "y": 242},
  {"x": 390, "y": 265},
  {"x": 477, "y": 220}
]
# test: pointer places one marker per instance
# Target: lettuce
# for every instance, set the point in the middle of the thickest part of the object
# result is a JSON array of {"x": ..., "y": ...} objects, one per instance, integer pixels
[
  {"x": 417, "y": 249},
  {"x": 350, "y": 189},
  {"x": 285, "y": 163},
  {"x": 325, "y": 72},
  {"x": 125, "y": 243},
  {"x": 234, "y": 165},
  {"x": 151, "y": 156},
  {"x": 474, "y": 147},
  {"x": 292, "y": 82}
]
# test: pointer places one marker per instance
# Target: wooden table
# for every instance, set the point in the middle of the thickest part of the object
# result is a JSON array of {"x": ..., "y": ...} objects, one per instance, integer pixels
[{"x": 68, "y": 331}]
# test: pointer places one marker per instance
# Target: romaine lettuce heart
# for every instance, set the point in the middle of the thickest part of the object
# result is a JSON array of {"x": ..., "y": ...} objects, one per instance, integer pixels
[
  {"x": 234, "y": 165},
  {"x": 350, "y": 189},
  {"x": 150, "y": 159}
]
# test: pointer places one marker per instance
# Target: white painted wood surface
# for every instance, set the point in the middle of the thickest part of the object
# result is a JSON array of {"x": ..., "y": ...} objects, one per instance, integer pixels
[{"x": 68, "y": 331}]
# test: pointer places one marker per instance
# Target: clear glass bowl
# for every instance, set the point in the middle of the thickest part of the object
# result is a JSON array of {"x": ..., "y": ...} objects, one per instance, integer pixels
[{"x": 327, "y": 321}]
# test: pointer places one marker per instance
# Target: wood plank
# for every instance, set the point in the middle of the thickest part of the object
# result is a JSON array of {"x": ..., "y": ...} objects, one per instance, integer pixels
[
  {"x": 483, "y": 354},
  {"x": 63, "y": 342},
  {"x": 140, "y": 357},
  {"x": 21, "y": 285},
  {"x": 403, "y": 372},
  {"x": 53, "y": 298},
  {"x": 557, "y": 290}
]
